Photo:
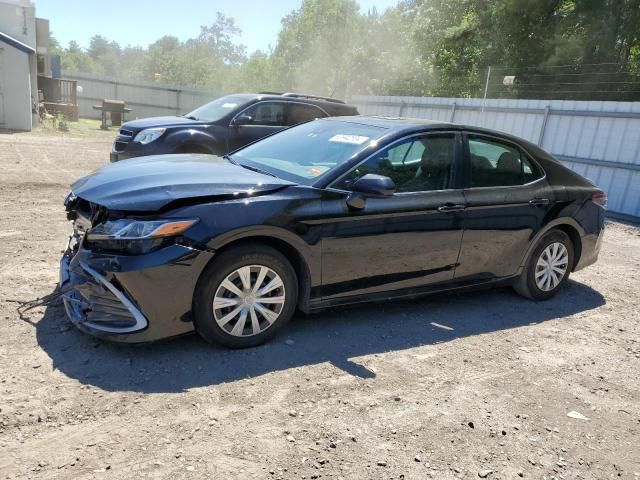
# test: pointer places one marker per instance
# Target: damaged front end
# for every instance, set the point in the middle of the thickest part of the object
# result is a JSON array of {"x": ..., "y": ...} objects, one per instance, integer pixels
[
  {"x": 127, "y": 279},
  {"x": 92, "y": 302}
]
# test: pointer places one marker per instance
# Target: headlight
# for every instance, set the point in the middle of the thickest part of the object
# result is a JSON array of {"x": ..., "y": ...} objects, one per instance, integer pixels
[
  {"x": 69, "y": 199},
  {"x": 129, "y": 229},
  {"x": 148, "y": 135},
  {"x": 135, "y": 237}
]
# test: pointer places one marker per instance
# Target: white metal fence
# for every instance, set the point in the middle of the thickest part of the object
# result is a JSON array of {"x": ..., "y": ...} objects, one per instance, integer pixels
[
  {"x": 600, "y": 140},
  {"x": 147, "y": 99}
]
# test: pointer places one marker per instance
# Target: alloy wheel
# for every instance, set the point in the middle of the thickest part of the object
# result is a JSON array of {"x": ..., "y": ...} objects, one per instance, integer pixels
[
  {"x": 552, "y": 266},
  {"x": 249, "y": 300}
]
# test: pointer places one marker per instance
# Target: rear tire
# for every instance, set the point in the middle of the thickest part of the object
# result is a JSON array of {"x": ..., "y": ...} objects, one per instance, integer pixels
[
  {"x": 245, "y": 296},
  {"x": 548, "y": 268}
]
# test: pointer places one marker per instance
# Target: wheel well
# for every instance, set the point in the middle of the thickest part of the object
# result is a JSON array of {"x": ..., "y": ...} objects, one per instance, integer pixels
[
  {"x": 575, "y": 239},
  {"x": 192, "y": 148},
  {"x": 291, "y": 253}
]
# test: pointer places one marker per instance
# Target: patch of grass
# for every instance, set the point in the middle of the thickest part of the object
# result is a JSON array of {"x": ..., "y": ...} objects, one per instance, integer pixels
[{"x": 85, "y": 128}]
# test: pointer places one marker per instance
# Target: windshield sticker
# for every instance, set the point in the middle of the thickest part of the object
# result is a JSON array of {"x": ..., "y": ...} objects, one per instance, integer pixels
[
  {"x": 315, "y": 171},
  {"x": 353, "y": 139},
  {"x": 229, "y": 105}
]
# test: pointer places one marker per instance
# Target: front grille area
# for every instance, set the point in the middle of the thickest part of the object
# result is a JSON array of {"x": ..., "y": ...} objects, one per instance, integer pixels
[
  {"x": 100, "y": 306},
  {"x": 94, "y": 302},
  {"x": 125, "y": 133},
  {"x": 120, "y": 146}
]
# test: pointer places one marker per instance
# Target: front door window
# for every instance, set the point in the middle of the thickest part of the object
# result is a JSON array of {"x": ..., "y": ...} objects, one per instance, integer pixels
[{"x": 416, "y": 164}]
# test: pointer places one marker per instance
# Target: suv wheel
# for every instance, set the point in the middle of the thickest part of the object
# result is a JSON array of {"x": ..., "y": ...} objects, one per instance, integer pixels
[
  {"x": 245, "y": 296},
  {"x": 548, "y": 267}
]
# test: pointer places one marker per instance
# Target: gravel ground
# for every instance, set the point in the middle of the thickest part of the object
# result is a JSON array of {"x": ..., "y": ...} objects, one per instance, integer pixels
[{"x": 485, "y": 384}]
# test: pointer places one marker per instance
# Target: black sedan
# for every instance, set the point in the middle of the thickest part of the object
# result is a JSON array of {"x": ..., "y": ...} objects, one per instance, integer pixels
[{"x": 331, "y": 212}]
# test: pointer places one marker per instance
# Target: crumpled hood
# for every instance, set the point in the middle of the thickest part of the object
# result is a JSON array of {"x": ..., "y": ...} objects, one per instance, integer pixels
[{"x": 150, "y": 183}]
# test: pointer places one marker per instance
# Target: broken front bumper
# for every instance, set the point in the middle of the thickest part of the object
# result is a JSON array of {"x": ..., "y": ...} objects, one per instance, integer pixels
[
  {"x": 131, "y": 298},
  {"x": 93, "y": 303}
]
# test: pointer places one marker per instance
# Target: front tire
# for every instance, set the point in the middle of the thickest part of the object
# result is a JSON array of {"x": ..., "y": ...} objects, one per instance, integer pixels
[
  {"x": 548, "y": 267},
  {"x": 245, "y": 296}
]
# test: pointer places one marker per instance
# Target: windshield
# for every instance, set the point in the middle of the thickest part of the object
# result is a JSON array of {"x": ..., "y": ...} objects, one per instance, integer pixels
[
  {"x": 217, "y": 109},
  {"x": 304, "y": 153}
]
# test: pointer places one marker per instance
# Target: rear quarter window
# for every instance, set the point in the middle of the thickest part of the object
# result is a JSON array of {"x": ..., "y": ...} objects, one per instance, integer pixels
[{"x": 302, "y": 112}]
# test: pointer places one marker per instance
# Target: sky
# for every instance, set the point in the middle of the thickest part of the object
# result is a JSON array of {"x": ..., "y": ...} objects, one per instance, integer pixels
[{"x": 139, "y": 23}]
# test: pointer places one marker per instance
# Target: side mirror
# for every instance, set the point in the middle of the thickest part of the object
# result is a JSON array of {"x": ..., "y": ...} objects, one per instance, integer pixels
[
  {"x": 370, "y": 185},
  {"x": 377, "y": 185},
  {"x": 242, "y": 120}
]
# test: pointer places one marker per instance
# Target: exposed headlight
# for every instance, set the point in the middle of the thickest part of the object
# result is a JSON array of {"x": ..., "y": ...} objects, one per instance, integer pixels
[
  {"x": 69, "y": 199},
  {"x": 148, "y": 135},
  {"x": 129, "y": 229}
]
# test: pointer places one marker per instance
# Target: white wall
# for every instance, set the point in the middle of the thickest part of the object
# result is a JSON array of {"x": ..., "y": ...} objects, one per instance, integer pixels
[
  {"x": 16, "y": 88},
  {"x": 16, "y": 16},
  {"x": 18, "y": 74}
]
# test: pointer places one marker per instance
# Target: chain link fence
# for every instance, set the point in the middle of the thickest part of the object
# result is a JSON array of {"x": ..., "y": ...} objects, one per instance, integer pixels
[{"x": 602, "y": 81}]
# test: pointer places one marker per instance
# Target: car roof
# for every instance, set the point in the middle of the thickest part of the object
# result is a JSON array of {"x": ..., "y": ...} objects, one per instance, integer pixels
[
  {"x": 404, "y": 125},
  {"x": 397, "y": 124},
  {"x": 330, "y": 105}
]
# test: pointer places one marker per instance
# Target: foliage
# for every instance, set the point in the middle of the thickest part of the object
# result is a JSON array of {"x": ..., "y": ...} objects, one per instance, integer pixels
[{"x": 419, "y": 47}]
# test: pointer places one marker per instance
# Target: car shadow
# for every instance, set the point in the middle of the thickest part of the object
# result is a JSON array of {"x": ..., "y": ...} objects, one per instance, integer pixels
[{"x": 337, "y": 336}]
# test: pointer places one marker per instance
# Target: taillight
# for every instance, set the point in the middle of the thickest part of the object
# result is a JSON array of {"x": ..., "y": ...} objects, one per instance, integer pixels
[{"x": 600, "y": 198}]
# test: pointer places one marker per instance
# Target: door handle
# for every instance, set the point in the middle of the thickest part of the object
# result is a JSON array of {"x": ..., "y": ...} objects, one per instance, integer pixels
[
  {"x": 539, "y": 202},
  {"x": 450, "y": 207}
]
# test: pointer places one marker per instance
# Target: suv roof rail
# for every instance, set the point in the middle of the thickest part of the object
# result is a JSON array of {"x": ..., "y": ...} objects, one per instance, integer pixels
[
  {"x": 316, "y": 97},
  {"x": 270, "y": 93}
]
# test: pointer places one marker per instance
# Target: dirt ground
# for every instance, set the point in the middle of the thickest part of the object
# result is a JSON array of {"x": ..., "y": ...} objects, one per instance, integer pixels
[{"x": 469, "y": 386}]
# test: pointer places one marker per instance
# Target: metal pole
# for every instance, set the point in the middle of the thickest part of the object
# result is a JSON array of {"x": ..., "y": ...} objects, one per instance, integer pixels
[
  {"x": 486, "y": 87},
  {"x": 402, "y": 107},
  {"x": 453, "y": 112},
  {"x": 544, "y": 124}
]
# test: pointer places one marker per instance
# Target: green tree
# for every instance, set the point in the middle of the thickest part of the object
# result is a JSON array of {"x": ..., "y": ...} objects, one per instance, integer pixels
[
  {"x": 107, "y": 54},
  {"x": 315, "y": 45},
  {"x": 76, "y": 59},
  {"x": 418, "y": 47},
  {"x": 162, "y": 60},
  {"x": 257, "y": 74}
]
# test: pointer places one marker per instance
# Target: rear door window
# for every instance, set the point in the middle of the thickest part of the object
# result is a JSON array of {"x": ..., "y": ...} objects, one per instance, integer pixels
[{"x": 499, "y": 164}]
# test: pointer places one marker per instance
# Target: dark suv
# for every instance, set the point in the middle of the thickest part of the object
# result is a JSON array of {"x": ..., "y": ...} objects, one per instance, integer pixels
[{"x": 223, "y": 125}]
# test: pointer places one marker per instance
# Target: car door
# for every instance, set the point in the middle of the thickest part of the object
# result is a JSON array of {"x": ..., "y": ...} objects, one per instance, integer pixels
[
  {"x": 410, "y": 239},
  {"x": 507, "y": 199},
  {"x": 257, "y": 121}
]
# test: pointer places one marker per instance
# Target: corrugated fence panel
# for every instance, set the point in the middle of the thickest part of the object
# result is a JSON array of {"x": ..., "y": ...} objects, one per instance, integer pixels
[
  {"x": 600, "y": 140},
  {"x": 146, "y": 99}
]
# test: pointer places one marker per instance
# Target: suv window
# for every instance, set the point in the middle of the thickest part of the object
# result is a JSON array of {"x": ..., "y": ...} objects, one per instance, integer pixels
[
  {"x": 498, "y": 164},
  {"x": 267, "y": 113},
  {"x": 417, "y": 164},
  {"x": 300, "y": 113},
  {"x": 219, "y": 108}
]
